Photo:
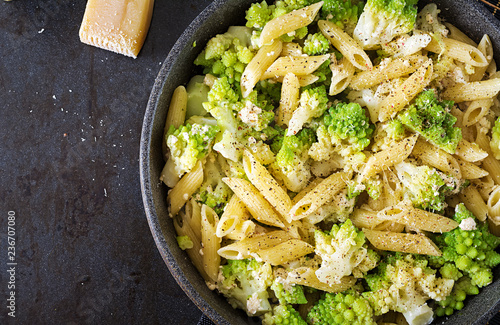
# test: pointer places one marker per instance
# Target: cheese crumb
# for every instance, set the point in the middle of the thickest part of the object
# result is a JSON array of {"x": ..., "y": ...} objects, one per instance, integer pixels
[{"x": 468, "y": 224}]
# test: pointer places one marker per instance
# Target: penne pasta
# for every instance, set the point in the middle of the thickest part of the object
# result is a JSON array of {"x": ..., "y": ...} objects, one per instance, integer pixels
[
  {"x": 250, "y": 245},
  {"x": 473, "y": 201},
  {"x": 342, "y": 73},
  {"x": 260, "y": 177},
  {"x": 234, "y": 214},
  {"x": 402, "y": 242},
  {"x": 469, "y": 151},
  {"x": 486, "y": 47},
  {"x": 437, "y": 158},
  {"x": 289, "y": 22},
  {"x": 458, "y": 35},
  {"x": 385, "y": 71},
  {"x": 459, "y": 51},
  {"x": 182, "y": 191},
  {"x": 471, "y": 171},
  {"x": 289, "y": 99},
  {"x": 382, "y": 160},
  {"x": 298, "y": 65},
  {"x": 476, "y": 110},
  {"x": 493, "y": 205},
  {"x": 472, "y": 90},
  {"x": 259, "y": 64},
  {"x": 176, "y": 114},
  {"x": 285, "y": 252},
  {"x": 346, "y": 45},
  {"x": 319, "y": 195},
  {"x": 490, "y": 164},
  {"x": 306, "y": 276},
  {"x": 256, "y": 204},
  {"x": 211, "y": 243},
  {"x": 403, "y": 94}
]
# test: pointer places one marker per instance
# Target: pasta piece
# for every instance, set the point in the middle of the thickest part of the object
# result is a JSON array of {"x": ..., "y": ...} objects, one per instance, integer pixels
[
  {"x": 382, "y": 160},
  {"x": 242, "y": 230},
  {"x": 289, "y": 22},
  {"x": 175, "y": 116},
  {"x": 472, "y": 90},
  {"x": 248, "y": 246},
  {"x": 469, "y": 151},
  {"x": 471, "y": 171},
  {"x": 406, "y": 214},
  {"x": 298, "y": 65},
  {"x": 285, "y": 252},
  {"x": 342, "y": 74},
  {"x": 291, "y": 49},
  {"x": 458, "y": 51},
  {"x": 403, "y": 94},
  {"x": 183, "y": 190},
  {"x": 260, "y": 62},
  {"x": 345, "y": 44},
  {"x": 182, "y": 228},
  {"x": 211, "y": 243},
  {"x": 486, "y": 47},
  {"x": 234, "y": 214},
  {"x": 493, "y": 204},
  {"x": 474, "y": 202},
  {"x": 306, "y": 276},
  {"x": 324, "y": 192},
  {"x": 303, "y": 80},
  {"x": 256, "y": 204},
  {"x": 385, "y": 71},
  {"x": 458, "y": 35},
  {"x": 260, "y": 177},
  {"x": 192, "y": 216},
  {"x": 476, "y": 110},
  {"x": 315, "y": 182},
  {"x": 490, "y": 164},
  {"x": 485, "y": 186},
  {"x": 402, "y": 242},
  {"x": 289, "y": 99},
  {"x": 437, "y": 158},
  {"x": 363, "y": 218}
]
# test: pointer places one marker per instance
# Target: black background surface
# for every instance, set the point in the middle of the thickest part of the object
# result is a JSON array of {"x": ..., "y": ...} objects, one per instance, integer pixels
[{"x": 70, "y": 125}]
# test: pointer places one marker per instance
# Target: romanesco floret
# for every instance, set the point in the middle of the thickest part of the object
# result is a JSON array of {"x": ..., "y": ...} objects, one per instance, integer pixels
[
  {"x": 225, "y": 55},
  {"x": 471, "y": 249},
  {"x": 313, "y": 102},
  {"x": 432, "y": 119},
  {"x": 288, "y": 293},
  {"x": 222, "y": 91},
  {"x": 343, "y": 252},
  {"x": 344, "y": 13},
  {"x": 291, "y": 165},
  {"x": 455, "y": 301},
  {"x": 316, "y": 44},
  {"x": 344, "y": 129},
  {"x": 245, "y": 284},
  {"x": 188, "y": 144},
  {"x": 382, "y": 20},
  {"x": 341, "y": 308},
  {"x": 283, "y": 315},
  {"x": 495, "y": 139},
  {"x": 424, "y": 186},
  {"x": 403, "y": 283},
  {"x": 258, "y": 15}
]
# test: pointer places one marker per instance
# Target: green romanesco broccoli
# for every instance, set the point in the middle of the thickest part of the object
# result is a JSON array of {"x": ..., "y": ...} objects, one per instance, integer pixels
[
  {"x": 341, "y": 308},
  {"x": 343, "y": 252},
  {"x": 344, "y": 129},
  {"x": 291, "y": 164},
  {"x": 188, "y": 144},
  {"x": 283, "y": 315},
  {"x": 344, "y": 13},
  {"x": 316, "y": 44},
  {"x": 455, "y": 301},
  {"x": 313, "y": 102},
  {"x": 288, "y": 293},
  {"x": 245, "y": 284},
  {"x": 213, "y": 191},
  {"x": 471, "y": 247},
  {"x": 432, "y": 119},
  {"x": 226, "y": 55},
  {"x": 495, "y": 139},
  {"x": 382, "y": 20},
  {"x": 184, "y": 242},
  {"x": 426, "y": 187},
  {"x": 403, "y": 283}
]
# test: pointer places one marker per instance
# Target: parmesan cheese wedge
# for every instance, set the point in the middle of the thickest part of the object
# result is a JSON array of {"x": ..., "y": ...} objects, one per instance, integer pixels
[{"x": 120, "y": 26}]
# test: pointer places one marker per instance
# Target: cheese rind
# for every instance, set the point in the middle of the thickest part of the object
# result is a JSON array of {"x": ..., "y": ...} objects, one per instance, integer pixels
[{"x": 120, "y": 26}]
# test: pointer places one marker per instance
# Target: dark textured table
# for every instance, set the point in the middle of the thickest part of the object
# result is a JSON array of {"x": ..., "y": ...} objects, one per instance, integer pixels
[{"x": 70, "y": 124}]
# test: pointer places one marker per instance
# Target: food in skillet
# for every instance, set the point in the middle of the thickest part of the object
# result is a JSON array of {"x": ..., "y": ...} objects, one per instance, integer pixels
[{"x": 335, "y": 162}]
